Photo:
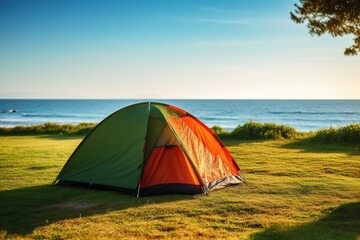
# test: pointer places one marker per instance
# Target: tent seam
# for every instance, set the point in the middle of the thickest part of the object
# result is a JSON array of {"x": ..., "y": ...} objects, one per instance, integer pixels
[{"x": 143, "y": 161}]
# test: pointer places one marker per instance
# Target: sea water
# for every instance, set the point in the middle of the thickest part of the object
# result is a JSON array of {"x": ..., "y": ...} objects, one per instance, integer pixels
[{"x": 304, "y": 115}]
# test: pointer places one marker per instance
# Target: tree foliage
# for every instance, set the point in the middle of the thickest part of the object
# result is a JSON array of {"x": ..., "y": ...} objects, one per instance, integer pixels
[{"x": 336, "y": 17}]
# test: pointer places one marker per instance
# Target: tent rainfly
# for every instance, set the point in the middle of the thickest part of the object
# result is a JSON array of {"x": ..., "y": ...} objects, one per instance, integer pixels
[{"x": 151, "y": 148}]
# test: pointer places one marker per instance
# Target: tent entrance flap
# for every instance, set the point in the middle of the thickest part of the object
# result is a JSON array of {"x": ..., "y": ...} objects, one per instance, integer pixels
[{"x": 168, "y": 165}]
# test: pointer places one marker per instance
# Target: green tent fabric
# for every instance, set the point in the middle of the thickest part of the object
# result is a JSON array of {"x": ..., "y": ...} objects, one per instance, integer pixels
[{"x": 107, "y": 143}]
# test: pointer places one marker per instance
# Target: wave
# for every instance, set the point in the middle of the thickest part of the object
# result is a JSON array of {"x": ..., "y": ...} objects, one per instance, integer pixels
[
  {"x": 221, "y": 118},
  {"x": 11, "y": 120},
  {"x": 30, "y": 115},
  {"x": 9, "y": 111},
  {"x": 19, "y": 122},
  {"x": 314, "y": 113}
]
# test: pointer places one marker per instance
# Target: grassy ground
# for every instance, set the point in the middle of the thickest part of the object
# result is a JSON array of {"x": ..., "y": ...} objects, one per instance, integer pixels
[{"x": 294, "y": 190}]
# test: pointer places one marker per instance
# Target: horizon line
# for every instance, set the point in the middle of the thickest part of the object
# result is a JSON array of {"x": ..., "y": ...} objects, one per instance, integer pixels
[{"x": 149, "y": 99}]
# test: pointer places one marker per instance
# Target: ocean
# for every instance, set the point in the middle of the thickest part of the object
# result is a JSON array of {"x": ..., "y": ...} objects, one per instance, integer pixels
[{"x": 304, "y": 115}]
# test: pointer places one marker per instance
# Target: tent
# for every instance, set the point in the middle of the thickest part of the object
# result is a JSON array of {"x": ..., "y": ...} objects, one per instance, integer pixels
[{"x": 151, "y": 148}]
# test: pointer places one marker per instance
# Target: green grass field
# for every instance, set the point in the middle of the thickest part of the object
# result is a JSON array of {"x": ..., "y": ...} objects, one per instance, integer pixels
[{"x": 294, "y": 190}]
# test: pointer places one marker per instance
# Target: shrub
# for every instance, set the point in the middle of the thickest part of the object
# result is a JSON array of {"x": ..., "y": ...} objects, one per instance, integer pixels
[
  {"x": 252, "y": 130},
  {"x": 219, "y": 131},
  {"x": 49, "y": 128},
  {"x": 249, "y": 131},
  {"x": 348, "y": 134}
]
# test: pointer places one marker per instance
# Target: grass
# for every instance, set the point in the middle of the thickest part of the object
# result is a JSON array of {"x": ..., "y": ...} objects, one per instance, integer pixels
[{"x": 294, "y": 190}]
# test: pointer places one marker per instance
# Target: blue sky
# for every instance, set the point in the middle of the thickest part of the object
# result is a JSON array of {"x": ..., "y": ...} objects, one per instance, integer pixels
[{"x": 168, "y": 49}]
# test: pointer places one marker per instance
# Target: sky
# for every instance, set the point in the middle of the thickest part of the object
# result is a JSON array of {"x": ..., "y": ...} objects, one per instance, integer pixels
[{"x": 161, "y": 49}]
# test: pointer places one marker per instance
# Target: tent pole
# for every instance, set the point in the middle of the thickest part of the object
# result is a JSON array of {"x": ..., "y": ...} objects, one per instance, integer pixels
[{"x": 138, "y": 192}]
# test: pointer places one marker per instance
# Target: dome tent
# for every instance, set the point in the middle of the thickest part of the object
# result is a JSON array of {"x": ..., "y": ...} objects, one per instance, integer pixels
[{"x": 151, "y": 148}]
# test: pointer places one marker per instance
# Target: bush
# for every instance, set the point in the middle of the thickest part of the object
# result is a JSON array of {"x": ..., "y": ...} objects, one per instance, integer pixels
[
  {"x": 348, "y": 134},
  {"x": 49, "y": 128},
  {"x": 252, "y": 130},
  {"x": 249, "y": 131},
  {"x": 219, "y": 131}
]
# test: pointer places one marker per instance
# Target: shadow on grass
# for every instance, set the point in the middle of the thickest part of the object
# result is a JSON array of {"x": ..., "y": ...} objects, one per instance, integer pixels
[
  {"x": 24, "y": 209},
  {"x": 341, "y": 223},
  {"x": 307, "y": 146}
]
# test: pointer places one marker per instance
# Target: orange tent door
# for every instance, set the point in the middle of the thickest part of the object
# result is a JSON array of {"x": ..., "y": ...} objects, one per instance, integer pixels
[{"x": 168, "y": 167}]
